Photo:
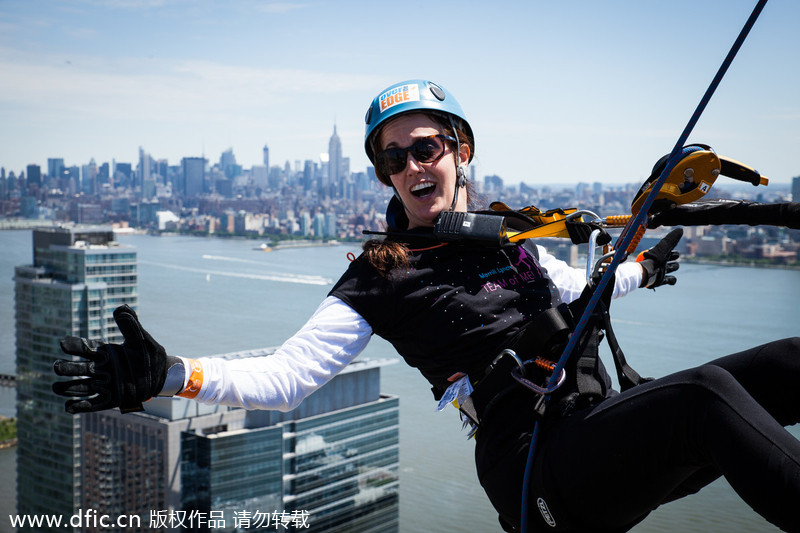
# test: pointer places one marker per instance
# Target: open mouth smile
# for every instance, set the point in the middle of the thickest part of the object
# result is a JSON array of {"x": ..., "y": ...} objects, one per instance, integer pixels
[{"x": 423, "y": 189}]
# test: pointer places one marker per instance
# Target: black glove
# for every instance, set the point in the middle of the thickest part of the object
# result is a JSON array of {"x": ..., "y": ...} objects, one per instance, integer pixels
[
  {"x": 660, "y": 260},
  {"x": 117, "y": 375}
]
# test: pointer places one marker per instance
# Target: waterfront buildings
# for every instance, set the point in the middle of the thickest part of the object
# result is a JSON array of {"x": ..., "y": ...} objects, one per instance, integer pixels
[{"x": 77, "y": 278}]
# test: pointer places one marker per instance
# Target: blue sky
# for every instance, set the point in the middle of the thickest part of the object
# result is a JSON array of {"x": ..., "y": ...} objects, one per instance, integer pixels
[{"x": 556, "y": 91}]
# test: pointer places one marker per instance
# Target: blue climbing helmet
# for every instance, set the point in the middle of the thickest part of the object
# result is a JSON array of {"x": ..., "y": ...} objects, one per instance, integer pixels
[{"x": 412, "y": 96}]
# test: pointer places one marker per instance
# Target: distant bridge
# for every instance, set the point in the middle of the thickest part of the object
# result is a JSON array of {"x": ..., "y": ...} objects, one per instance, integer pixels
[{"x": 8, "y": 380}]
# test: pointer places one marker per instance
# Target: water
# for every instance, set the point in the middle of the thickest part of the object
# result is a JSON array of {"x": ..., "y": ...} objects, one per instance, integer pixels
[{"x": 202, "y": 296}]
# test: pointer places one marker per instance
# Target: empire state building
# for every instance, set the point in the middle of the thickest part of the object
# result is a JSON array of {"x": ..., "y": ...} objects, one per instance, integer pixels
[{"x": 335, "y": 174}]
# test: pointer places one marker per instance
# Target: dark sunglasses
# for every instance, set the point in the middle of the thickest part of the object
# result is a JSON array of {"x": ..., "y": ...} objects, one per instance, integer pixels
[{"x": 425, "y": 150}]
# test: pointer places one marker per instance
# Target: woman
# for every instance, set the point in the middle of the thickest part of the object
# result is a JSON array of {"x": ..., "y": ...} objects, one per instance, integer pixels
[{"x": 604, "y": 460}]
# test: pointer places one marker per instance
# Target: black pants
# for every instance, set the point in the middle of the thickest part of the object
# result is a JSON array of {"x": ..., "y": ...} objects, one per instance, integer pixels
[{"x": 605, "y": 468}]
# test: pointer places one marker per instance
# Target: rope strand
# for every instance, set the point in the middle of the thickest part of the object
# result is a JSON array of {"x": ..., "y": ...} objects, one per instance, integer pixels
[{"x": 625, "y": 238}]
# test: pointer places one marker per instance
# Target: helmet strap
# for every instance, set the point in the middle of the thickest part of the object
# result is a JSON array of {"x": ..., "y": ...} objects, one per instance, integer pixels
[{"x": 461, "y": 175}]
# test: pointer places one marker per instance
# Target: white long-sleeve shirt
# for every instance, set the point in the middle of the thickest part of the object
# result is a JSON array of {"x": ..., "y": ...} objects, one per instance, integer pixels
[{"x": 333, "y": 336}]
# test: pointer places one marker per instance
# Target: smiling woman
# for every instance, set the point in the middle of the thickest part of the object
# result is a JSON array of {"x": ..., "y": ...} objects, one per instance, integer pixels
[
  {"x": 429, "y": 185},
  {"x": 482, "y": 324}
]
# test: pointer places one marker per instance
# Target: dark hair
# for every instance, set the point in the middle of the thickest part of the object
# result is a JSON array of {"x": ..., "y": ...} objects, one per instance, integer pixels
[{"x": 386, "y": 255}]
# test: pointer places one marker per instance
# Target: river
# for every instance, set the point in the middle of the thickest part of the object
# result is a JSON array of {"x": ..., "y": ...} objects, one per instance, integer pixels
[{"x": 202, "y": 296}]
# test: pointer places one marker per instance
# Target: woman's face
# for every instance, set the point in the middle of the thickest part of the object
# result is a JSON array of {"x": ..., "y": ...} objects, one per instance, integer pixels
[{"x": 426, "y": 189}]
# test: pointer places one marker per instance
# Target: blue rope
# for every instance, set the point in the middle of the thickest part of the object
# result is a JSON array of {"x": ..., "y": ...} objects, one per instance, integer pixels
[{"x": 625, "y": 239}]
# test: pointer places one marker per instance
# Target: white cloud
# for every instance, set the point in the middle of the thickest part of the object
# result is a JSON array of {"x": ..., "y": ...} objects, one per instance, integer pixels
[
  {"x": 281, "y": 7},
  {"x": 131, "y": 4},
  {"x": 134, "y": 88},
  {"x": 86, "y": 105}
]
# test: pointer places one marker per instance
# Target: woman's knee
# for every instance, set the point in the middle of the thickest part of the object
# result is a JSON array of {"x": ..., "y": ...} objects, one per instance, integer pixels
[
  {"x": 709, "y": 385},
  {"x": 790, "y": 345},
  {"x": 709, "y": 377}
]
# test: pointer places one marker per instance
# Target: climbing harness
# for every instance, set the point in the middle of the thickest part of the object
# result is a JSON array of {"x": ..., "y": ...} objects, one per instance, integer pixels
[
  {"x": 627, "y": 236},
  {"x": 530, "y": 358}
]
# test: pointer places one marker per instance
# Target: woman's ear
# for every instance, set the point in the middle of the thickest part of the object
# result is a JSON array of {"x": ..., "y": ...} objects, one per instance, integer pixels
[{"x": 463, "y": 154}]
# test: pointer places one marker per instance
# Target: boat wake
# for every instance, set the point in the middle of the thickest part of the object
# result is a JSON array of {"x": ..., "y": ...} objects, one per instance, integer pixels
[
  {"x": 268, "y": 276},
  {"x": 231, "y": 259}
]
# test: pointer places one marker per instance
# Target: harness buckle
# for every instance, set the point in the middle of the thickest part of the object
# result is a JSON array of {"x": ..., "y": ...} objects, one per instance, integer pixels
[{"x": 541, "y": 391}]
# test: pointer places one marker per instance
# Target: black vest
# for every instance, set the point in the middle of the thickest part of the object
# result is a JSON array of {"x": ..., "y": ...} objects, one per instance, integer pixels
[{"x": 456, "y": 306}]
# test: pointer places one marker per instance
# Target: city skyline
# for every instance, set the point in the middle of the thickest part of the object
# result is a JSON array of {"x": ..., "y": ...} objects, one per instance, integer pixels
[
  {"x": 228, "y": 158},
  {"x": 605, "y": 88}
]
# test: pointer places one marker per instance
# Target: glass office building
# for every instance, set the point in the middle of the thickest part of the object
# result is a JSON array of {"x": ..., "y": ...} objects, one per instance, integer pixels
[
  {"x": 78, "y": 277},
  {"x": 330, "y": 465},
  {"x": 342, "y": 468}
]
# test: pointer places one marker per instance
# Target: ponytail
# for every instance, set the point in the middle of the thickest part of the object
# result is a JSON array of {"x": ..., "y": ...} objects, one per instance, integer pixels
[{"x": 386, "y": 255}]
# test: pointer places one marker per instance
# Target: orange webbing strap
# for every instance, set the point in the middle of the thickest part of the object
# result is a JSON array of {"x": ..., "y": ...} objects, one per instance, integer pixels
[{"x": 636, "y": 238}]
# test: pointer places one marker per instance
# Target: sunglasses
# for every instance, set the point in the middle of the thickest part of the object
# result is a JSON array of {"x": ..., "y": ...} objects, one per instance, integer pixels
[{"x": 425, "y": 150}]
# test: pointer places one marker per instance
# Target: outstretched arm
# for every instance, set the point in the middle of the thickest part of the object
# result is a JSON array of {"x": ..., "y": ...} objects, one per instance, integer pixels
[
  {"x": 326, "y": 344},
  {"x": 126, "y": 375}
]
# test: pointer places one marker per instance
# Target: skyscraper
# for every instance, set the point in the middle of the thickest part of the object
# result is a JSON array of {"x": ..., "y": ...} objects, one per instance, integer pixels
[
  {"x": 55, "y": 167},
  {"x": 34, "y": 175},
  {"x": 194, "y": 170},
  {"x": 227, "y": 163},
  {"x": 89, "y": 177},
  {"x": 122, "y": 174},
  {"x": 78, "y": 277},
  {"x": 144, "y": 170},
  {"x": 266, "y": 157},
  {"x": 335, "y": 160},
  {"x": 796, "y": 189}
]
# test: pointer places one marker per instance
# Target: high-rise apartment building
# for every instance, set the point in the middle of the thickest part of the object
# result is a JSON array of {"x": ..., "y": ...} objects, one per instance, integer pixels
[
  {"x": 332, "y": 462},
  {"x": 143, "y": 169},
  {"x": 78, "y": 277}
]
